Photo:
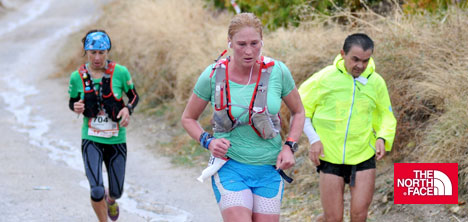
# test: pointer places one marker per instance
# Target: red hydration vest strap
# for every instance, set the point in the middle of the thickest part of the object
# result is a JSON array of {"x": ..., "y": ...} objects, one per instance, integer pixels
[
  {"x": 263, "y": 66},
  {"x": 85, "y": 77},
  {"x": 223, "y": 103}
]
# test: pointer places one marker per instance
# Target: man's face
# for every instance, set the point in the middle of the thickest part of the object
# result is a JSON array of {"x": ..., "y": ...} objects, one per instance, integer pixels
[{"x": 356, "y": 60}]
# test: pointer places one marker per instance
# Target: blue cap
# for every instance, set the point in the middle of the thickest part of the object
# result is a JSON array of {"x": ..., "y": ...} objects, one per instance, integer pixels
[{"x": 97, "y": 41}]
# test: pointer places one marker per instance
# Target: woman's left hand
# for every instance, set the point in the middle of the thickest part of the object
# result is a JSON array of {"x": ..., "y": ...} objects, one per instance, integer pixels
[
  {"x": 125, "y": 114},
  {"x": 285, "y": 158}
]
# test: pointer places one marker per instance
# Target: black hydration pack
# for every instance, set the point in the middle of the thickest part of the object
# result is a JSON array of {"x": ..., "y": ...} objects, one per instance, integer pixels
[{"x": 104, "y": 98}]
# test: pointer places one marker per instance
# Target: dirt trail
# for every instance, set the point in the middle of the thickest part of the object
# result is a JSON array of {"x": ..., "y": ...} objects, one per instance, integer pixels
[{"x": 42, "y": 176}]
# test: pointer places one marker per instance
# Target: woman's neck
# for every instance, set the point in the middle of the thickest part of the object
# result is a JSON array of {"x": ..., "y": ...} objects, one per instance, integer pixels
[
  {"x": 96, "y": 72},
  {"x": 242, "y": 74},
  {"x": 241, "y": 70}
]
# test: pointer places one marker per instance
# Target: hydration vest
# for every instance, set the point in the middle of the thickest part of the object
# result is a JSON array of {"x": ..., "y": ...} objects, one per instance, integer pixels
[
  {"x": 266, "y": 125},
  {"x": 102, "y": 99}
]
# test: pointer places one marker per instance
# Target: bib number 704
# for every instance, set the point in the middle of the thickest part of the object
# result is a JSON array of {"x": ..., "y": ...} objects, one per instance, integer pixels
[{"x": 101, "y": 119}]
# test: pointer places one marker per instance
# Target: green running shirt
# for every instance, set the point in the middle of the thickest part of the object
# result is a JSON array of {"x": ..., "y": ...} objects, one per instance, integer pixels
[
  {"x": 247, "y": 147},
  {"x": 121, "y": 83}
]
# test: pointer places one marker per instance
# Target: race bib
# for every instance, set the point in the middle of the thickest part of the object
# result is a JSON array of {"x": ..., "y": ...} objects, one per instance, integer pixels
[{"x": 102, "y": 126}]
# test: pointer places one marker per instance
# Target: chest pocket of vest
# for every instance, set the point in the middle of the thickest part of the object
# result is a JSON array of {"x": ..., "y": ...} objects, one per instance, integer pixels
[
  {"x": 111, "y": 104},
  {"x": 91, "y": 106},
  {"x": 265, "y": 124},
  {"x": 90, "y": 99}
]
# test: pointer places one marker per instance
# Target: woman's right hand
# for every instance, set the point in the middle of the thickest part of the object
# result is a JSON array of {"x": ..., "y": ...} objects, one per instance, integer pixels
[
  {"x": 78, "y": 107},
  {"x": 219, "y": 147}
]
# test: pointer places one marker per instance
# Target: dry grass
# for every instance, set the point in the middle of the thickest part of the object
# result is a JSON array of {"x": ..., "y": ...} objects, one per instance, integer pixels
[
  {"x": 164, "y": 41},
  {"x": 166, "y": 44}
]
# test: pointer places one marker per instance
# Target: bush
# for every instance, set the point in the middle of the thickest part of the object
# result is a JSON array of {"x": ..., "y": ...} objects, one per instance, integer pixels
[
  {"x": 272, "y": 13},
  {"x": 280, "y": 13},
  {"x": 430, "y": 6}
]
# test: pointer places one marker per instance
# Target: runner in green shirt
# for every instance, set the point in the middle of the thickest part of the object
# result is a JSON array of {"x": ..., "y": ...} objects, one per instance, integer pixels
[
  {"x": 246, "y": 91},
  {"x": 96, "y": 90}
]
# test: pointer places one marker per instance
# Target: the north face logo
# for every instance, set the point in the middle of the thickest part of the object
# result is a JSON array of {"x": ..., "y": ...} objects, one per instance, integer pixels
[{"x": 426, "y": 183}]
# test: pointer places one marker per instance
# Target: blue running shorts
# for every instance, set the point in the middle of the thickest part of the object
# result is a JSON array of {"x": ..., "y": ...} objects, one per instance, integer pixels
[{"x": 256, "y": 187}]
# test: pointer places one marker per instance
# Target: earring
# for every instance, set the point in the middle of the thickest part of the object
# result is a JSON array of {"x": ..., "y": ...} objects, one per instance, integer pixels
[
  {"x": 262, "y": 43},
  {"x": 229, "y": 44}
]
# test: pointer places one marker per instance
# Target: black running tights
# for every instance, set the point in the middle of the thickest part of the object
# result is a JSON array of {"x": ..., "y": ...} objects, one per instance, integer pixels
[{"x": 114, "y": 157}]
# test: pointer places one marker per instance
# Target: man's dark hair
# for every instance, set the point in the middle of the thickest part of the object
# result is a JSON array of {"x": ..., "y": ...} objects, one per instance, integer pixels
[{"x": 360, "y": 40}]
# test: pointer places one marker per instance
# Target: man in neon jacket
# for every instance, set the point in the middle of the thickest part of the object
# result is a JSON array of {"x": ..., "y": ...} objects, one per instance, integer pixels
[{"x": 349, "y": 123}]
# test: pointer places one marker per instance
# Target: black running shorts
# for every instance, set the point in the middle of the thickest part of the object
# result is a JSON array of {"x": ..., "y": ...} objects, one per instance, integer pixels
[{"x": 346, "y": 171}]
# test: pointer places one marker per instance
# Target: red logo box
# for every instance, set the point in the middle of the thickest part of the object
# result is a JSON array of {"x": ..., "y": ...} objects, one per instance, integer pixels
[{"x": 425, "y": 183}]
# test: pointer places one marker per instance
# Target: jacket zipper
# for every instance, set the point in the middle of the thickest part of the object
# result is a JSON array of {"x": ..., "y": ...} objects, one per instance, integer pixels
[{"x": 349, "y": 119}]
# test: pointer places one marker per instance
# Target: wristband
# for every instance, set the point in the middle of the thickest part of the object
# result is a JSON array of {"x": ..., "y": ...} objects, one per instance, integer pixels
[
  {"x": 202, "y": 137},
  {"x": 205, "y": 139},
  {"x": 208, "y": 141}
]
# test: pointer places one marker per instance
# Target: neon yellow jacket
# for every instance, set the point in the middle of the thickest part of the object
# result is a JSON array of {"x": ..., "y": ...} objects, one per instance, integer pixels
[{"x": 348, "y": 113}]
